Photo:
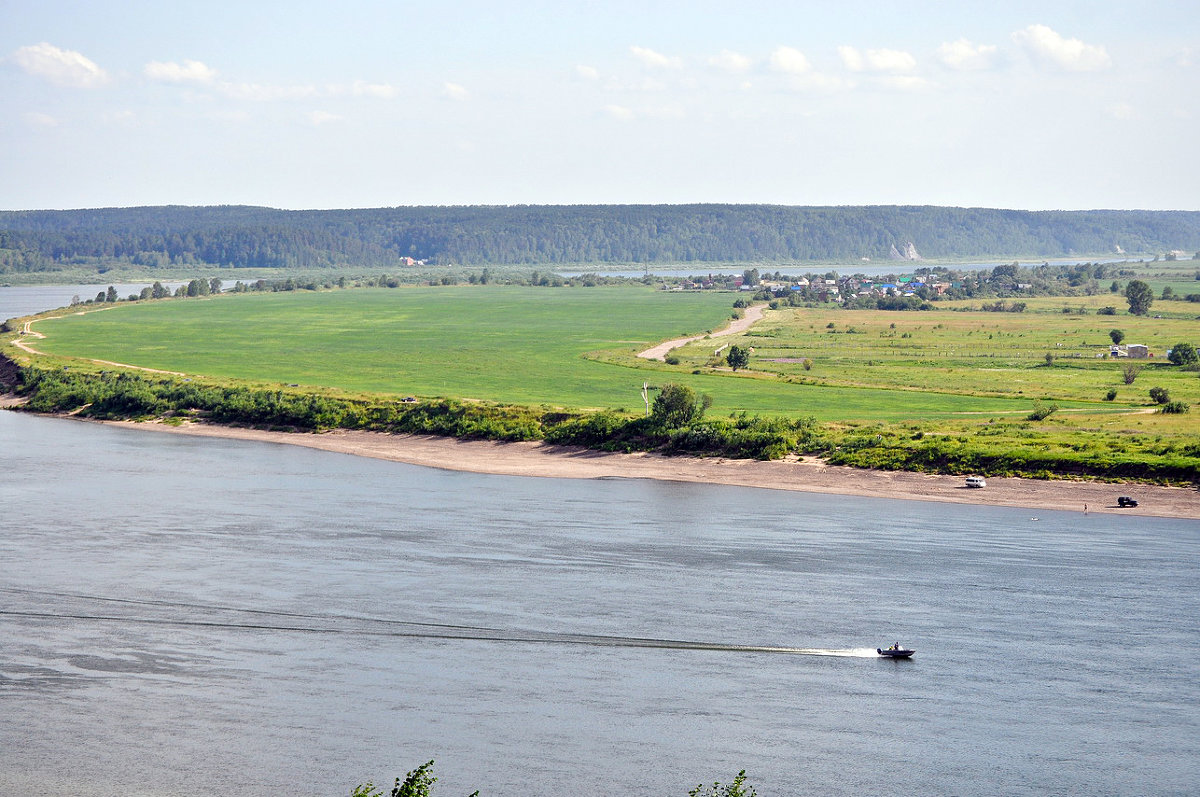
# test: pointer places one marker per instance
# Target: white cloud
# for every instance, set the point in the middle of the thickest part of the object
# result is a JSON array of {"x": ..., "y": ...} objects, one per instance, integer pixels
[
  {"x": 383, "y": 91},
  {"x": 892, "y": 61},
  {"x": 965, "y": 56},
  {"x": 1121, "y": 110},
  {"x": 260, "y": 92},
  {"x": 187, "y": 72},
  {"x": 818, "y": 82},
  {"x": 669, "y": 111},
  {"x": 322, "y": 117},
  {"x": 654, "y": 59},
  {"x": 39, "y": 119},
  {"x": 789, "y": 60},
  {"x": 906, "y": 82},
  {"x": 60, "y": 67},
  {"x": 454, "y": 91},
  {"x": 730, "y": 61},
  {"x": 618, "y": 112},
  {"x": 228, "y": 115},
  {"x": 1047, "y": 46},
  {"x": 587, "y": 72}
]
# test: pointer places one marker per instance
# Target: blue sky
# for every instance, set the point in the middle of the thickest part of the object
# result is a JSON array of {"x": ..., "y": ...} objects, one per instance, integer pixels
[{"x": 369, "y": 104}]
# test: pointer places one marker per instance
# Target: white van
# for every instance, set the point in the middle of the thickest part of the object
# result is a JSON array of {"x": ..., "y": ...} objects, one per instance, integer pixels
[{"x": 976, "y": 481}]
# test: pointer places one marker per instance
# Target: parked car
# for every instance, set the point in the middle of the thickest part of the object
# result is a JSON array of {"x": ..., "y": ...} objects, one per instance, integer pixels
[
  {"x": 976, "y": 481},
  {"x": 1125, "y": 501}
]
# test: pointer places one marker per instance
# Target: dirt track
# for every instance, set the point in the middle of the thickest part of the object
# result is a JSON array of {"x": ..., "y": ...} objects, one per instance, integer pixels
[{"x": 738, "y": 325}]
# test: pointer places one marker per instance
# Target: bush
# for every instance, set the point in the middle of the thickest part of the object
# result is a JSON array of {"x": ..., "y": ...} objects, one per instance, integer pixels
[
  {"x": 1111, "y": 395},
  {"x": 1183, "y": 354},
  {"x": 1041, "y": 411},
  {"x": 1174, "y": 408},
  {"x": 1159, "y": 395},
  {"x": 737, "y": 788}
]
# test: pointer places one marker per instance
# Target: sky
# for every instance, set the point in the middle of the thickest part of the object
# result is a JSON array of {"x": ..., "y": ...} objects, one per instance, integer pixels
[{"x": 1032, "y": 105}]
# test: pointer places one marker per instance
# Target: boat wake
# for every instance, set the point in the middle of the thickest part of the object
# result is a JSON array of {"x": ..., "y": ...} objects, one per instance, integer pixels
[{"x": 69, "y": 606}]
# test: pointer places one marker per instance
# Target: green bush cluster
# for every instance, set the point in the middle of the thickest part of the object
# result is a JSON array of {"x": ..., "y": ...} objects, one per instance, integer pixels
[
  {"x": 1015, "y": 450},
  {"x": 1033, "y": 458},
  {"x": 124, "y": 395}
]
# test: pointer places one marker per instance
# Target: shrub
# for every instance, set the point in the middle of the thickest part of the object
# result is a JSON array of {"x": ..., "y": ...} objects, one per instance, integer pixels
[
  {"x": 1183, "y": 354},
  {"x": 671, "y": 359},
  {"x": 1041, "y": 411},
  {"x": 1159, "y": 394},
  {"x": 1107, "y": 310},
  {"x": 1174, "y": 407},
  {"x": 1111, "y": 395},
  {"x": 1129, "y": 372}
]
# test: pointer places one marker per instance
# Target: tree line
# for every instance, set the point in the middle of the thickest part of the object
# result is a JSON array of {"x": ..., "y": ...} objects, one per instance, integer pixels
[{"x": 256, "y": 237}]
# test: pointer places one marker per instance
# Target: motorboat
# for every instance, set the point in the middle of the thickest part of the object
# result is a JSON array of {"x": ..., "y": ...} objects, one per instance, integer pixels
[{"x": 895, "y": 652}]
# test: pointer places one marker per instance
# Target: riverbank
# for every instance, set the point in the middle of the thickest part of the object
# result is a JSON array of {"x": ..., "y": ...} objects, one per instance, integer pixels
[{"x": 802, "y": 474}]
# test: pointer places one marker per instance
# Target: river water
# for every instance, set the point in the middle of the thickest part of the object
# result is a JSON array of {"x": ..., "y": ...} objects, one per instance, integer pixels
[{"x": 186, "y": 616}]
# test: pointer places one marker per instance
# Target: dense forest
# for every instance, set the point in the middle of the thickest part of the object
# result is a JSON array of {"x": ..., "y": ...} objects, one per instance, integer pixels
[{"x": 255, "y": 237}]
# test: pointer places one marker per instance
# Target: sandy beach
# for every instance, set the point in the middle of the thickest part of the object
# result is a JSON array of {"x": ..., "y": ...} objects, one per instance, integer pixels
[{"x": 804, "y": 474}]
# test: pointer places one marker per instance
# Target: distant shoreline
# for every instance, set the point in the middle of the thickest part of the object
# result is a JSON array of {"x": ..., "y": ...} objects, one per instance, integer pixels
[{"x": 799, "y": 474}]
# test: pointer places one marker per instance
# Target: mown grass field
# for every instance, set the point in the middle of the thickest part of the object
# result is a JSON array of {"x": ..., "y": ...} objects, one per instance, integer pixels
[{"x": 501, "y": 343}]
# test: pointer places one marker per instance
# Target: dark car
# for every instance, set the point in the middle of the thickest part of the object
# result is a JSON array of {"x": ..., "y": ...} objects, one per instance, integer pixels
[{"x": 1125, "y": 500}]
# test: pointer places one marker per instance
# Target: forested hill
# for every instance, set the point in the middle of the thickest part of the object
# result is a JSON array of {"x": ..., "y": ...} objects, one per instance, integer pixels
[{"x": 255, "y": 237}]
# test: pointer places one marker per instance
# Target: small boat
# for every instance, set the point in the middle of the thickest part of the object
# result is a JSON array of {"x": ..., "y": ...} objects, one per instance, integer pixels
[{"x": 895, "y": 652}]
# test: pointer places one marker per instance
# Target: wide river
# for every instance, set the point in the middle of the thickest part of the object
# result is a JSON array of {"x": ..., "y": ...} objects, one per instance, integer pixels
[{"x": 185, "y": 616}]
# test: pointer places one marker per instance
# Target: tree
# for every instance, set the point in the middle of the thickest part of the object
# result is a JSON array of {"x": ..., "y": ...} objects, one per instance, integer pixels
[
  {"x": 676, "y": 406},
  {"x": 1117, "y": 336},
  {"x": 111, "y": 295},
  {"x": 1183, "y": 354},
  {"x": 1140, "y": 297},
  {"x": 418, "y": 783},
  {"x": 737, "y": 357},
  {"x": 1129, "y": 372},
  {"x": 737, "y": 788},
  {"x": 214, "y": 285},
  {"x": 750, "y": 277},
  {"x": 1159, "y": 394}
]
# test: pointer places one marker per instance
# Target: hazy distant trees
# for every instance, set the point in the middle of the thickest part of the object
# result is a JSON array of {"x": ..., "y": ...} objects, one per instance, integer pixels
[
  {"x": 249, "y": 237},
  {"x": 1140, "y": 297}
]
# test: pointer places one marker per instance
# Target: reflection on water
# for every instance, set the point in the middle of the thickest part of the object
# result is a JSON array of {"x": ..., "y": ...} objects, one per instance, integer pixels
[{"x": 186, "y": 616}]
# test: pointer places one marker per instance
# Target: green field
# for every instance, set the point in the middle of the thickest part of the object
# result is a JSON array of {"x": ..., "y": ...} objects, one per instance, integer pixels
[
  {"x": 954, "y": 389},
  {"x": 501, "y": 343}
]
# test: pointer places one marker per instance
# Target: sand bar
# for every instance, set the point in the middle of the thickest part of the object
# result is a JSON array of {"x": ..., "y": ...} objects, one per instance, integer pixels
[{"x": 803, "y": 474}]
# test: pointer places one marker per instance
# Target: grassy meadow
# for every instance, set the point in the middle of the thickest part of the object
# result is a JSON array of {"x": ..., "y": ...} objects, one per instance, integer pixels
[
  {"x": 563, "y": 347},
  {"x": 954, "y": 389}
]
